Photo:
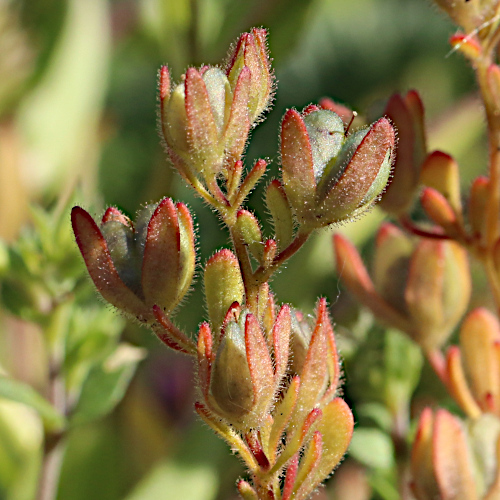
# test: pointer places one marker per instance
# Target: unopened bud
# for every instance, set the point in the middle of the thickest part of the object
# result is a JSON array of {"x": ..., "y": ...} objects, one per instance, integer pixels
[
  {"x": 328, "y": 177},
  {"x": 251, "y": 51},
  {"x": 135, "y": 268}
]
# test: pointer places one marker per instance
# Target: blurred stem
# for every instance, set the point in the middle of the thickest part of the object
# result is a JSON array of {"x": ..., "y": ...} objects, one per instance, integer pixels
[
  {"x": 54, "y": 443},
  {"x": 434, "y": 233},
  {"x": 193, "y": 32},
  {"x": 493, "y": 121},
  {"x": 399, "y": 433},
  {"x": 438, "y": 364}
]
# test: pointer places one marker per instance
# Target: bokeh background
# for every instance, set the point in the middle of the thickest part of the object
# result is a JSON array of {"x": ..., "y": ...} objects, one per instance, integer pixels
[{"x": 78, "y": 114}]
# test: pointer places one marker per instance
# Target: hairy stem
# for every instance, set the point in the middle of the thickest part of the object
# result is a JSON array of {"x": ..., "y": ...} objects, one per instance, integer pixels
[{"x": 264, "y": 273}]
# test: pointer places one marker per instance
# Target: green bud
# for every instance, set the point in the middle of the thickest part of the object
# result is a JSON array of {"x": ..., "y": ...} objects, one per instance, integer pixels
[
  {"x": 231, "y": 384},
  {"x": 327, "y": 177},
  {"x": 223, "y": 286},
  {"x": 282, "y": 216},
  {"x": 247, "y": 228},
  {"x": 138, "y": 268}
]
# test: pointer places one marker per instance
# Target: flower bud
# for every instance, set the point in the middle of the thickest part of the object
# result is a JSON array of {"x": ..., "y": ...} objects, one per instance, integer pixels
[
  {"x": 223, "y": 286},
  {"x": 243, "y": 379},
  {"x": 251, "y": 51},
  {"x": 437, "y": 291},
  {"x": 247, "y": 229},
  {"x": 441, "y": 172},
  {"x": 137, "y": 267},
  {"x": 231, "y": 383},
  {"x": 407, "y": 115},
  {"x": 207, "y": 117},
  {"x": 473, "y": 370},
  {"x": 194, "y": 119},
  {"x": 441, "y": 461},
  {"x": 328, "y": 177},
  {"x": 468, "y": 45},
  {"x": 420, "y": 289}
]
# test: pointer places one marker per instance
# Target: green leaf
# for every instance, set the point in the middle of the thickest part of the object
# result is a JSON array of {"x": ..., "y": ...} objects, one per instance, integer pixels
[
  {"x": 20, "y": 392},
  {"x": 403, "y": 361},
  {"x": 106, "y": 384},
  {"x": 373, "y": 448},
  {"x": 196, "y": 482}
]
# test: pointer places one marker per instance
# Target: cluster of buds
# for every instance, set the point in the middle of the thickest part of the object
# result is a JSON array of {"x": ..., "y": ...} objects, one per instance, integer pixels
[
  {"x": 329, "y": 177},
  {"x": 269, "y": 386},
  {"x": 206, "y": 118},
  {"x": 422, "y": 288},
  {"x": 268, "y": 379},
  {"x": 450, "y": 460},
  {"x": 143, "y": 269}
]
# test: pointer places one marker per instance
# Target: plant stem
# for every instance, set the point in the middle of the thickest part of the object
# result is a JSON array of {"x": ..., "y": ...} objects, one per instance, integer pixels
[
  {"x": 264, "y": 273},
  {"x": 54, "y": 443},
  {"x": 399, "y": 435},
  {"x": 53, "y": 454},
  {"x": 493, "y": 208}
]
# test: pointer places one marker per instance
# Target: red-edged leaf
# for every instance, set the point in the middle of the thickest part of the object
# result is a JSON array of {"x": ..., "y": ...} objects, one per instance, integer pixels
[
  {"x": 297, "y": 162},
  {"x": 161, "y": 262}
]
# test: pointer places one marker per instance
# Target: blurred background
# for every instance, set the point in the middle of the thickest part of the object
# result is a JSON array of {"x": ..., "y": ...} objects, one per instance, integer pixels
[{"x": 78, "y": 120}]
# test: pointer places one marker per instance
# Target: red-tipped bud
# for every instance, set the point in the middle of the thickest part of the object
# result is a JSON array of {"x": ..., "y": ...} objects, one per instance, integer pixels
[
  {"x": 441, "y": 172},
  {"x": 422, "y": 290},
  {"x": 135, "y": 268},
  {"x": 441, "y": 460},
  {"x": 242, "y": 385},
  {"x": 479, "y": 342},
  {"x": 328, "y": 177},
  {"x": 251, "y": 52},
  {"x": 468, "y": 45},
  {"x": 223, "y": 286}
]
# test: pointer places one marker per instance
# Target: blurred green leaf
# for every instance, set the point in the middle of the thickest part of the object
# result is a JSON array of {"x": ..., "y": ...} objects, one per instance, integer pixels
[
  {"x": 59, "y": 119},
  {"x": 20, "y": 392},
  {"x": 377, "y": 413},
  {"x": 373, "y": 448},
  {"x": 106, "y": 384},
  {"x": 20, "y": 445},
  {"x": 386, "y": 368},
  {"x": 403, "y": 361},
  {"x": 193, "y": 482}
]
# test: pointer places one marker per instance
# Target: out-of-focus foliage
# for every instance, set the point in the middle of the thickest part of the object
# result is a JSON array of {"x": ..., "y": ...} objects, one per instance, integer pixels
[{"x": 78, "y": 108}]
